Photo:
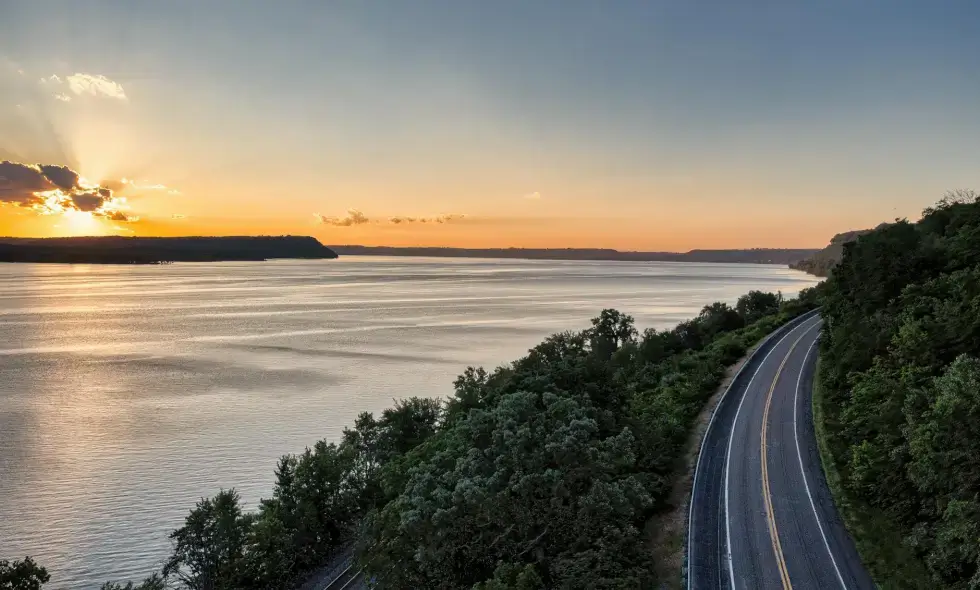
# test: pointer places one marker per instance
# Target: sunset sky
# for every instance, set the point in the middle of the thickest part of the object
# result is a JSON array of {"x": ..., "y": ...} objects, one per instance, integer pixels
[{"x": 658, "y": 125}]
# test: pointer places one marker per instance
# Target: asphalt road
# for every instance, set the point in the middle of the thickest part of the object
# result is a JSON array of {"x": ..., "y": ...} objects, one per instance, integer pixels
[{"x": 762, "y": 516}]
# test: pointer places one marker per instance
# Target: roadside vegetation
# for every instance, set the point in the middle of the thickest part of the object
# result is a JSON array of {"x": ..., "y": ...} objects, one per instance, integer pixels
[
  {"x": 539, "y": 474},
  {"x": 898, "y": 410}
]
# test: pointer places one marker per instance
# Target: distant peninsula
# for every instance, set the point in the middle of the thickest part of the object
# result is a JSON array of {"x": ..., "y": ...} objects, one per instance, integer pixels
[
  {"x": 782, "y": 256},
  {"x": 133, "y": 250},
  {"x": 823, "y": 261}
]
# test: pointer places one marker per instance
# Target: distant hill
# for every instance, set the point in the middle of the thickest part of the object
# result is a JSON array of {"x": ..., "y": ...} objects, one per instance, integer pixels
[
  {"x": 821, "y": 262},
  {"x": 754, "y": 255},
  {"x": 132, "y": 250}
]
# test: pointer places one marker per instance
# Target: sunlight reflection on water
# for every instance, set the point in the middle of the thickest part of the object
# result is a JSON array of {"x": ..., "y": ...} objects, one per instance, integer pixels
[{"x": 130, "y": 392}]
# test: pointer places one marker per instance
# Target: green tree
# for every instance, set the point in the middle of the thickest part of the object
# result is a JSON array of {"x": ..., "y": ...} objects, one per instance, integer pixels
[
  {"x": 513, "y": 577},
  {"x": 609, "y": 332},
  {"x": 154, "y": 582},
  {"x": 22, "y": 575},
  {"x": 755, "y": 305},
  {"x": 947, "y": 440},
  {"x": 900, "y": 372},
  {"x": 209, "y": 550}
]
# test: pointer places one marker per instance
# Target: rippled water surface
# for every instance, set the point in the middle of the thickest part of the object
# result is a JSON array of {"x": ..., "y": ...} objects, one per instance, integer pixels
[{"x": 127, "y": 393}]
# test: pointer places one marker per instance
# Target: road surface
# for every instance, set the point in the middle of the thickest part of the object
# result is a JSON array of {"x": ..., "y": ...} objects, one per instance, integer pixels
[
  {"x": 762, "y": 516},
  {"x": 342, "y": 573}
]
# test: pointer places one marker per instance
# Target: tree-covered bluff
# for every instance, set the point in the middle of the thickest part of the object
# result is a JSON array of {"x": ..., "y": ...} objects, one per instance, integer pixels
[
  {"x": 540, "y": 474},
  {"x": 900, "y": 377}
]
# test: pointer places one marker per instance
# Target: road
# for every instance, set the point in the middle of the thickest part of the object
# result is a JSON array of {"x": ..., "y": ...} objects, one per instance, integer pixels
[
  {"x": 341, "y": 573},
  {"x": 762, "y": 516}
]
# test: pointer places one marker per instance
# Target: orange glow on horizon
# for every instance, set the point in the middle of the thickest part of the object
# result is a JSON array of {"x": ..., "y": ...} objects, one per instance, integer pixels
[{"x": 476, "y": 232}]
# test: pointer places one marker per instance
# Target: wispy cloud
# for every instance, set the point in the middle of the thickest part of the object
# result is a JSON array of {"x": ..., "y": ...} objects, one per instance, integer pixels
[
  {"x": 147, "y": 186},
  {"x": 437, "y": 219},
  {"x": 533, "y": 196},
  {"x": 354, "y": 217}
]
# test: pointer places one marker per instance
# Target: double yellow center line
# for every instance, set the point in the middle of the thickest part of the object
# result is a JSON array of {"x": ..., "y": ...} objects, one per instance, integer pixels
[{"x": 766, "y": 495}]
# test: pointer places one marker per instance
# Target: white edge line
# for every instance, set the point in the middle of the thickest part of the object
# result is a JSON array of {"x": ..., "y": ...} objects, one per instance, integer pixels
[
  {"x": 337, "y": 577},
  {"x": 728, "y": 454},
  {"x": 351, "y": 581},
  {"x": 799, "y": 455},
  {"x": 697, "y": 465}
]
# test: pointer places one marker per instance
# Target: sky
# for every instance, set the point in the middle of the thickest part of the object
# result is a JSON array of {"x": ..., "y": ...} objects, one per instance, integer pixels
[{"x": 656, "y": 125}]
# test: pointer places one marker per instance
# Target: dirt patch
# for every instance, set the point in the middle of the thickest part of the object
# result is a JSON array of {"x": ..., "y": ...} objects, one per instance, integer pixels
[{"x": 667, "y": 530}]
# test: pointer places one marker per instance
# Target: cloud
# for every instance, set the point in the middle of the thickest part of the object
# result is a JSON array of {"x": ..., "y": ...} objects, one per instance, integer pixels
[
  {"x": 533, "y": 196},
  {"x": 48, "y": 189},
  {"x": 96, "y": 86},
  {"x": 146, "y": 186},
  {"x": 437, "y": 219},
  {"x": 62, "y": 177},
  {"x": 354, "y": 217},
  {"x": 85, "y": 84}
]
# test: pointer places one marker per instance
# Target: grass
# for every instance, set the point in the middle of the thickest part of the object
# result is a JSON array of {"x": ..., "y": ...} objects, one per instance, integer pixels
[{"x": 891, "y": 563}]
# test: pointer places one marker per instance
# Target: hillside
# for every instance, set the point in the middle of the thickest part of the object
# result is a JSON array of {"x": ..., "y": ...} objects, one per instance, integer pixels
[
  {"x": 900, "y": 378},
  {"x": 821, "y": 262},
  {"x": 749, "y": 255},
  {"x": 132, "y": 250}
]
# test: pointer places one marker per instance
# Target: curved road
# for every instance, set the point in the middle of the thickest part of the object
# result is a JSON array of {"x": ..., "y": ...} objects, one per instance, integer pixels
[{"x": 762, "y": 516}]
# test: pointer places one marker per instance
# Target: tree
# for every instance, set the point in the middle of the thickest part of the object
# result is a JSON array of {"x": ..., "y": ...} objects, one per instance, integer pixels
[
  {"x": 209, "y": 550},
  {"x": 757, "y": 304},
  {"x": 154, "y": 582},
  {"x": 511, "y": 576},
  {"x": 529, "y": 481},
  {"x": 945, "y": 443},
  {"x": 22, "y": 575},
  {"x": 900, "y": 373},
  {"x": 610, "y": 331},
  {"x": 717, "y": 318}
]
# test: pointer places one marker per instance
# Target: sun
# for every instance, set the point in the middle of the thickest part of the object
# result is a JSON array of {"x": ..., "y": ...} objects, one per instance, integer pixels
[{"x": 81, "y": 223}]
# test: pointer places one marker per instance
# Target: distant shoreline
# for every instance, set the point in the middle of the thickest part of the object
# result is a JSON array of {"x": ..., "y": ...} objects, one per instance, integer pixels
[
  {"x": 153, "y": 250},
  {"x": 783, "y": 256},
  {"x": 133, "y": 250}
]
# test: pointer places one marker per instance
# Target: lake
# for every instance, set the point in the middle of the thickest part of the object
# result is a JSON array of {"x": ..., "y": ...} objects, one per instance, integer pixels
[{"x": 129, "y": 392}]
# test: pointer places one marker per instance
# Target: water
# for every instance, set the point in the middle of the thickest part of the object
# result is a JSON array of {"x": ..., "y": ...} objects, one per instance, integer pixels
[{"x": 128, "y": 393}]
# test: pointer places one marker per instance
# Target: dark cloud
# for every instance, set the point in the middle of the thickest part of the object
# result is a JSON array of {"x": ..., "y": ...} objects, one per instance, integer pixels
[
  {"x": 63, "y": 177},
  {"x": 49, "y": 189},
  {"x": 120, "y": 216},
  {"x": 19, "y": 182},
  {"x": 88, "y": 201}
]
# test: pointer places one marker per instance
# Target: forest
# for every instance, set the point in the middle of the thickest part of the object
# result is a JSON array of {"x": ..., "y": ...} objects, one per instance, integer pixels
[
  {"x": 539, "y": 474},
  {"x": 900, "y": 380}
]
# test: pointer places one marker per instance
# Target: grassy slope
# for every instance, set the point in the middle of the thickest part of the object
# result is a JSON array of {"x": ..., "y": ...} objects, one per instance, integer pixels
[
  {"x": 891, "y": 563},
  {"x": 669, "y": 528}
]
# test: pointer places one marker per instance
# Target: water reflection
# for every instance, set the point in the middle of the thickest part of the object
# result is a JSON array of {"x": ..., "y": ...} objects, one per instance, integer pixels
[{"x": 130, "y": 392}]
